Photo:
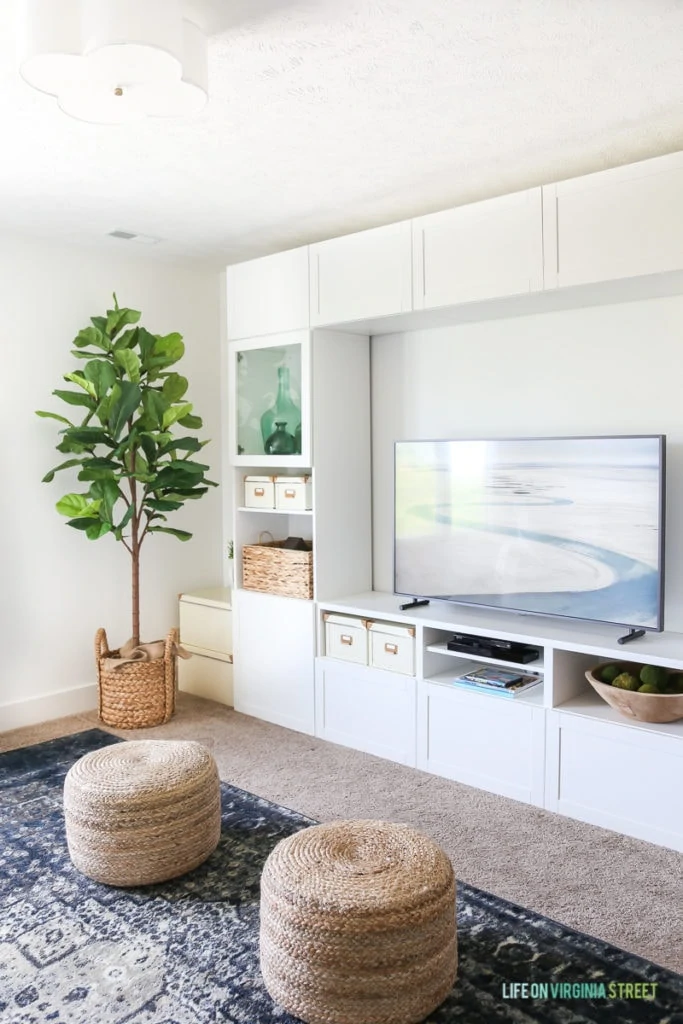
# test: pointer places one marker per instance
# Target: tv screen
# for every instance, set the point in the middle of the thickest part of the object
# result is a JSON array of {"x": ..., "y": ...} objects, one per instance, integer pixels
[{"x": 564, "y": 526}]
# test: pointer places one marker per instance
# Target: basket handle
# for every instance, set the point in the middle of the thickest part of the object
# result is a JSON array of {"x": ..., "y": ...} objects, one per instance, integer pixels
[
  {"x": 265, "y": 533},
  {"x": 170, "y": 672},
  {"x": 101, "y": 644}
]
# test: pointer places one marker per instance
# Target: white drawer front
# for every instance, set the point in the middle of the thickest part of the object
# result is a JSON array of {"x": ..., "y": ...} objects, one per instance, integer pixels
[
  {"x": 206, "y": 677},
  {"x": 293, "y": 496},
  {"x": 347, "y": 640},
  {"x": 206, "y": 627},
  {"x": 259, "y": 494}
]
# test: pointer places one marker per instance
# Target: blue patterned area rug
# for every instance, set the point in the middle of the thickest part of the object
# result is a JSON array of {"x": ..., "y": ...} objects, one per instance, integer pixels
[{"x": 186, "y": 952}]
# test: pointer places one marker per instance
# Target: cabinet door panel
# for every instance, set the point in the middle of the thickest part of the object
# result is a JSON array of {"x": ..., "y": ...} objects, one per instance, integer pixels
[
  {"x": 366, "y": 709},
  {"x": 479, "y": 251},
  {"x": 612, "y": 776},
  {"x": 268, "y": 295},
  {"x": 618, "y": 224},
  {"x": 362, "y": 275},
  {"x": 483, "y": 741},
  {"x": 274, "y": 659}
]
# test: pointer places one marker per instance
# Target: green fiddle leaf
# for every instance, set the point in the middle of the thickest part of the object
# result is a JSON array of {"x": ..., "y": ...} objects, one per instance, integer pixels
[
  {"x": 97, "y": 530},
  {"x": 129, "y": 362},
  {"x": 155, "y": 405},
  {"x": 191, "y": 422},
  {"x": 87, "y": 436},
  {"x": 101, "y": 374},
  {"x": 174, "y": 387},
  {"x": 107, "y": 493},
  {"x": 180, "y": 534},
  {"x": 74, "y": 398},
  {"x": 146, "y": 343},
  {"x": 49, "y": 477},
  {"x": 166, "y": 350},
  {"x": 185, "y": 444},
  {"x": 119, "y": 318},
  {"x": 162, "y": 505},
  {"x": 83, "y": 524},
  {"x": 175, "y": 413},
  {"x": 126, "y": 518},
  {"x": 149, "y": 448},
  {"x": 91, "y": 336},
  {"x": 124, "y": 407},
  {"x": 83, "y": 382},
  {"x": 78, "y": 506},
  {"x": 53, "y": 416}
]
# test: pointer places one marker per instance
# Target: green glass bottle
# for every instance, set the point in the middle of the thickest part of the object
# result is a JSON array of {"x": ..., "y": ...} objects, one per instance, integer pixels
[
  {"x": 282, "y": 411},
  {"x": 280, "y": 442}
]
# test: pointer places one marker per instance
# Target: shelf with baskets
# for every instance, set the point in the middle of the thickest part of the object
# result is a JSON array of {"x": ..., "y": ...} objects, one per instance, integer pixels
[{"x": 319, "y": 494}]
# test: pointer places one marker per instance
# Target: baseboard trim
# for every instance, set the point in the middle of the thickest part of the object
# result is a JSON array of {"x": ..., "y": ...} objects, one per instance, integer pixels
[{"x": 48, "y": 706}]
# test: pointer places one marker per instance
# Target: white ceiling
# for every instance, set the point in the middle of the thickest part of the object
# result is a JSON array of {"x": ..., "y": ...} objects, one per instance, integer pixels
[{"x": 328, "y": 116}]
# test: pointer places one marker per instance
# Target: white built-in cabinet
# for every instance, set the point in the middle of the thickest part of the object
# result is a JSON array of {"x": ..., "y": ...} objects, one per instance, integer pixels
[
  {"x": 479, "y": 251},
  {"x": 621, "y": 223},
  {"x": 206, "y": 634},
  {"x": 559, "y": 746},
  {"x": 363, "y": 275},
  {"x": 268, "y": 295}
]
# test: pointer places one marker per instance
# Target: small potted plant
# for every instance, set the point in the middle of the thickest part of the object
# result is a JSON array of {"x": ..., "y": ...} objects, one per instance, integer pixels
[{"x": 126, "y": 406}]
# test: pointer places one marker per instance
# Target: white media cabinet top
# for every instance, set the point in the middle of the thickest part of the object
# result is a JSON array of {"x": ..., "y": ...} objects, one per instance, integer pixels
[{"x": 568, "y": 635}]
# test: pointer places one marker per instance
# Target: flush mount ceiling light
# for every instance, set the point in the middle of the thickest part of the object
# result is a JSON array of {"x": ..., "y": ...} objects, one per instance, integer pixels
[{"x": 110, "y": 61}]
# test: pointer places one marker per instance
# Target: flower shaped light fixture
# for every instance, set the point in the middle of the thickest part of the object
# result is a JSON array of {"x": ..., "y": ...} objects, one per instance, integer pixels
[{"x": 111, "y": 61}]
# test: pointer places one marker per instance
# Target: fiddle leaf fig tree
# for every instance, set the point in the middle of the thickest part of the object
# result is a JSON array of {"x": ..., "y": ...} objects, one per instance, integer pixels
[{"x": 126, "y": 431}]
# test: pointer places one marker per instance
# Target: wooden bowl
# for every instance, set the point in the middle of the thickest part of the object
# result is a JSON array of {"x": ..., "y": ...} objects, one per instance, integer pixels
[{"x": 643, "y": 707}]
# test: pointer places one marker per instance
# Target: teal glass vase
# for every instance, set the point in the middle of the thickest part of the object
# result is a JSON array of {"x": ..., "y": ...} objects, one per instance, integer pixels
[
  {"x": 280, "y": 441},
  {"x": 283, "y": 414}
]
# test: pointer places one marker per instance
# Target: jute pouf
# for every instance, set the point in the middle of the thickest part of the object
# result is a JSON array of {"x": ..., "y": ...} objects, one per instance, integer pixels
[
  {"x": 142, "y": 811},
  {"x": 358, "y": 924}
]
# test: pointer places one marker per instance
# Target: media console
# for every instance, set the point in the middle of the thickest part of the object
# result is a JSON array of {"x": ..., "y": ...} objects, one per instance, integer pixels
[{"x": 559, "y": 746}]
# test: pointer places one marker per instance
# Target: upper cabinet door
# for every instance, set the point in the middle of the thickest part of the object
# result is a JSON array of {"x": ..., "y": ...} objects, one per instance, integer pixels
[
  {"x": 268, "y": 295},
  {"x": 359, "y": 276},
  {"x": 479, "y": 251},
  {"x": 620, "y": 223}
]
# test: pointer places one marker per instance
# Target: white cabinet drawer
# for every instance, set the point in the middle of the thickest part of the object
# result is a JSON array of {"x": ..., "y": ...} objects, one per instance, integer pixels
[
  {"x": 366, "y": 709},
  {"x": 346, "y": 638},
  {"x": 392, "y": 647},
  {"x": 206, "y": 677},
  {"x": 268, "y": 295},
  {"x": 205, "y": 627}
]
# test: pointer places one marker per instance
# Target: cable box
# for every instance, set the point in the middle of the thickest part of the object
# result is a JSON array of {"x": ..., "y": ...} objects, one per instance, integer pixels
[{"x": 488, "y": 647}]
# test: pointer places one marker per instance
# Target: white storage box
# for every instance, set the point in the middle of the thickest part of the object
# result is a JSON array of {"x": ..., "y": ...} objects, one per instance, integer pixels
[
  {"x": 346, "y": 638},
  {"x": 293, "y": 492},
  {"x": 259, "y": 491},
  {"x": 392, "y": 647}
]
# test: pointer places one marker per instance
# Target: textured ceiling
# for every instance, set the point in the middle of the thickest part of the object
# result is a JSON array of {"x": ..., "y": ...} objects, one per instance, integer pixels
[{"x": 331, "y": 116}]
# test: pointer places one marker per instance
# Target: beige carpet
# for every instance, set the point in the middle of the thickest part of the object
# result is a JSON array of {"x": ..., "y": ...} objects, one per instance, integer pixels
[{"x": 622, "y": 890}]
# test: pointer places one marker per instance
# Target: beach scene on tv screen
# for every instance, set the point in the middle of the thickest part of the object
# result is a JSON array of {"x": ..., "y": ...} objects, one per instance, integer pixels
[{"x": 566, "y": 526}]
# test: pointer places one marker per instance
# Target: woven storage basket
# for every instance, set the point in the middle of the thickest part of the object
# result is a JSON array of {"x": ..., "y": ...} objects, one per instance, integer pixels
[
  {"x": 272, "y": 569},
  {"x": 139, "y": 694}
]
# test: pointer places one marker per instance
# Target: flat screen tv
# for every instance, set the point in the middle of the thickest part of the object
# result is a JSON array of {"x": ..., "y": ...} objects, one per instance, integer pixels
[{"x": 562, "y": 526}]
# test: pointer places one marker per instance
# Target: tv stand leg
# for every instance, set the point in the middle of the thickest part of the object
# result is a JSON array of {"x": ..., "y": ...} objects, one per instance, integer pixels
[
  {"x": 632, "y": 634},
  {"x": 413, "y": 604}
]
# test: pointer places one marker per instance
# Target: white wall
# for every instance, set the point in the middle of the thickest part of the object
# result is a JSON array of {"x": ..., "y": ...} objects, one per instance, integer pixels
[
  {"x": 57, "y": 587},
  {"x": 605, "y": 370}
]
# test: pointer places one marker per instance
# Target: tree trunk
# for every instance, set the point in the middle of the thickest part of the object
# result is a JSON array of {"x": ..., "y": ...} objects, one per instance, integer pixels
[{"x": 135, "y": 560}]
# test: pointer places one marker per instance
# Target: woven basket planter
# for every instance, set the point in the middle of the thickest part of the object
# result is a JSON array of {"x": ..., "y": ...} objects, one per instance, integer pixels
[
  {"x": 272, "y": 569},
  {"x": 140, "y": 693}
]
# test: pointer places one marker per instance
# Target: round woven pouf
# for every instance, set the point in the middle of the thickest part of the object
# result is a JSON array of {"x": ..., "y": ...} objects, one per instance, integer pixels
[
  {"x": 140, "y": 812},
  {"x": 358, "y": 924}
]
